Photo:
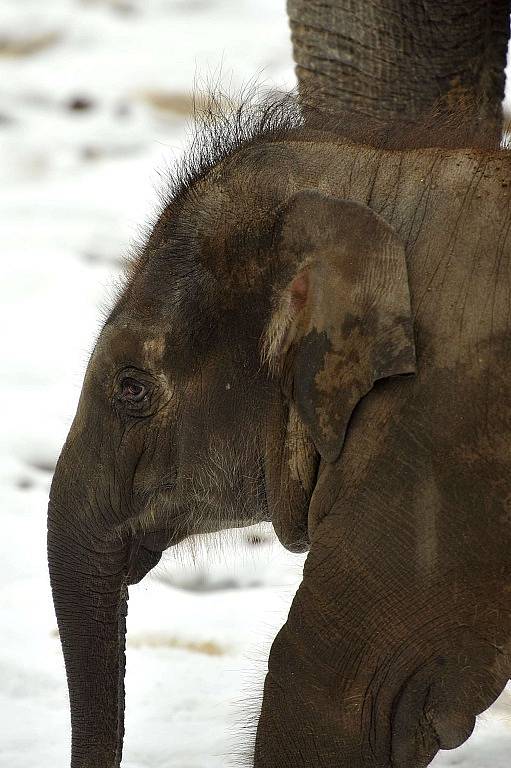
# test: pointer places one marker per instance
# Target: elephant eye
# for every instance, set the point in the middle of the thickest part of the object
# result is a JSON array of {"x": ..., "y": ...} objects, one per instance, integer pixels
[{"x": 132, "y": 390}]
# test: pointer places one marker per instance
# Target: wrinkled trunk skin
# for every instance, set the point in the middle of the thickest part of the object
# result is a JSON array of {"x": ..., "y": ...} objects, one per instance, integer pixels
[
  {"x": 89, "y": 568},
  {"x": 90, "y": 596},
  {"x": 386, "y": 59}
]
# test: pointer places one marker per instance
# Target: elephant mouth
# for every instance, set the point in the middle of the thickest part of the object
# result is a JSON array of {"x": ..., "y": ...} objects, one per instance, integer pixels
[
  {"x": 173, "y": 511},
  {"x": 142, "y": 559},
  {"x": 157, "y": 541}
]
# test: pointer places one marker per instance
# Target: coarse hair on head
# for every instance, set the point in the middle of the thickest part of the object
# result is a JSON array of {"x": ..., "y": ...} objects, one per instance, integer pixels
[
  {"x": 222, "y": 123},
  {"x": 223, "y": 126}
]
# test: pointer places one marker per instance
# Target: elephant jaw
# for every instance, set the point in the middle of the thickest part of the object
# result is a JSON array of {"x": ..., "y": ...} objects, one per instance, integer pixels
[{"x": 142, "y": 559}]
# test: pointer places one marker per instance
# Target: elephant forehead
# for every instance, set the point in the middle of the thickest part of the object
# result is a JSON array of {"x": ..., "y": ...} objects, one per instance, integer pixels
[
  {"x": 224, "y": 222},
  {"x": 125, "y": 342},
  {"x": 231, "y": 238}
]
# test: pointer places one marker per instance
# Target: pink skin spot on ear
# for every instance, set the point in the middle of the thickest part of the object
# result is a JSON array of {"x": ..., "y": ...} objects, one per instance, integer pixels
[{"x": 299, "y": 291}]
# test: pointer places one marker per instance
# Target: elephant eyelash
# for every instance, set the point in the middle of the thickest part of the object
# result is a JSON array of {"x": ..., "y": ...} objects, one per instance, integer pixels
[
  {"x": 132, "y": 408},
  {"x": 134, "y": 377}
]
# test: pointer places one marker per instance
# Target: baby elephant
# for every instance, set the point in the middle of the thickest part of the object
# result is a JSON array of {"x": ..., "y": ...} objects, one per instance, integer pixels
[{"x": 316, "y": 333}]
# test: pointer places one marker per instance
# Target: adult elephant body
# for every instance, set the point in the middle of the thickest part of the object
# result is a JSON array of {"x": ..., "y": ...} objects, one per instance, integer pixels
[{"x": 307, "y": 258}]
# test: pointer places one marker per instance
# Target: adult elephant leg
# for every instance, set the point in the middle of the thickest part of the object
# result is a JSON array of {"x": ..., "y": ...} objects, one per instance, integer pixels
[
  {"x": 89, "y": 585},
  {"x": 386, "y": 59}
]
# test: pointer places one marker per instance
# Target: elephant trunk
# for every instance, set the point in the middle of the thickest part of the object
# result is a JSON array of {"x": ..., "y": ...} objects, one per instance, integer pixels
[
  {"x": 89, "y": 586},
  {"x": 387, "y": 61}
]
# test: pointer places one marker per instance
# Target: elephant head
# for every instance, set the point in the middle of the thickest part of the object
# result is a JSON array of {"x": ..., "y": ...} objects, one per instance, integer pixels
[{"x": 229, "y": 368}]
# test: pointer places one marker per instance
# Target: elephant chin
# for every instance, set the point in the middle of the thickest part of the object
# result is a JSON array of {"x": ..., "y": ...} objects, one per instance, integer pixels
[{"x": 142, "y": 560}]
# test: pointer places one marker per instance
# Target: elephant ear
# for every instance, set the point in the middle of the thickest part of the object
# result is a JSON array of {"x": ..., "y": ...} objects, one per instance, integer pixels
[{"x": 343, "y": 321}]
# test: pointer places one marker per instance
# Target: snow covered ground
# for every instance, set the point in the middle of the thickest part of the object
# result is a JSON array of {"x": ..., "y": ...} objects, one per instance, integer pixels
[{"x": 94, "y": 96}]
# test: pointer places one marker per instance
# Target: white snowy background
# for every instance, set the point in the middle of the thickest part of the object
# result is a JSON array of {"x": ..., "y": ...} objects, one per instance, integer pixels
[{"x": 94, "y": 99}]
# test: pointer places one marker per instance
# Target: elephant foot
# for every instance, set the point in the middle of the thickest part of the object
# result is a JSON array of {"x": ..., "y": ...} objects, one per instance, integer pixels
[{"x": 437, "y": 709}]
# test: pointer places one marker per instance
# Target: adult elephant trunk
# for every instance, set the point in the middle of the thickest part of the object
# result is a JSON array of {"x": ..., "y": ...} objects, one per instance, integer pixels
[
  {"x": 89, "y": 585},
  {"x": 386, "y": 59}
]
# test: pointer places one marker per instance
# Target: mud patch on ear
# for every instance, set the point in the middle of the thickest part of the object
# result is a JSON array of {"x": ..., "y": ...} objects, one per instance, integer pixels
[
  {"x": 311, "y": 387},
  {"x": 345, "y": 322}
]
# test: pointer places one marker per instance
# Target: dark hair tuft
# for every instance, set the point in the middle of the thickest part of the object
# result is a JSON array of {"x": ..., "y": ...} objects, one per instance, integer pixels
[{"x": 222, "y": 124}]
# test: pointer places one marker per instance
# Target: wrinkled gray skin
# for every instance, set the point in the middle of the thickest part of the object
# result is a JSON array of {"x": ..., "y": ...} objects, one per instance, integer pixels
[
  {"x": 322, "y": 332},
  {"x": 388, "y": 59}
]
